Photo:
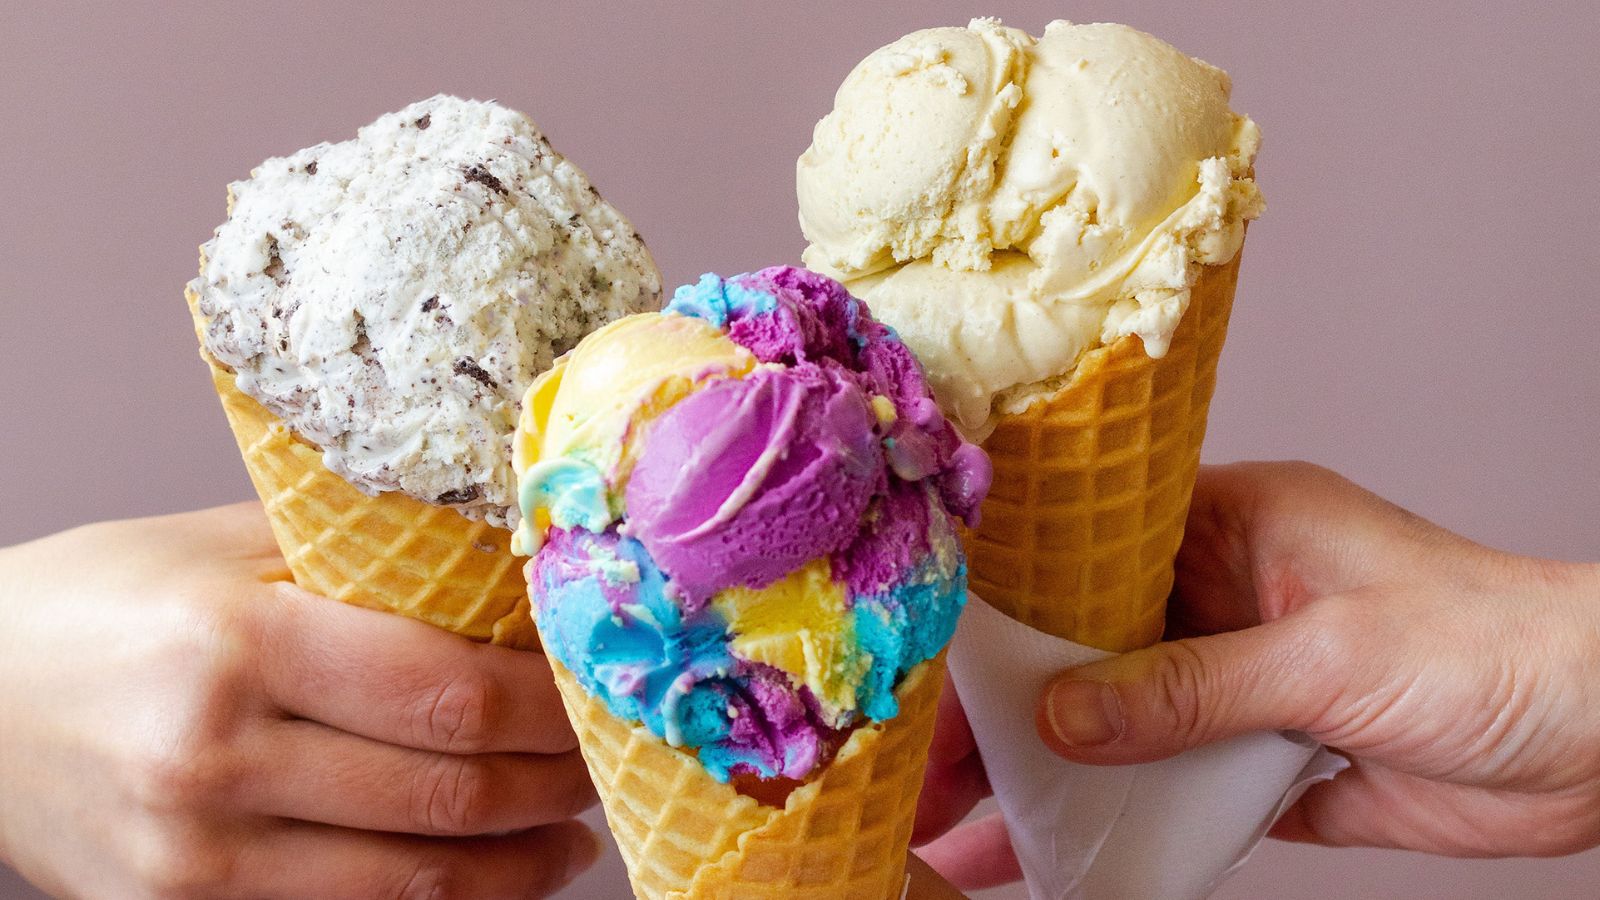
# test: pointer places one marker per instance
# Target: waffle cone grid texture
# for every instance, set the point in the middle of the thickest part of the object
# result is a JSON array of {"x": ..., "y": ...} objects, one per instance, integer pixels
[
  {"x": 388, "y": 552},
  {"x": 1092, "y": 484},
  {"x": 683, "y": 834}
]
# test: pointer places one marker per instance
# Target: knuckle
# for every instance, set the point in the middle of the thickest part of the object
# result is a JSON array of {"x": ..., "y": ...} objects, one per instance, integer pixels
[
  {"x": 451, "y": 796},
  {"x": 188, "y": 760},
  {"x": 185, "y": 778},
  {"x": 1334, "y": 654},
  {"x": 1295, "y": 478},
  {"x": 430, "y": 879},
  {"x": 212, "y": 645},
  {"x": 1552, "y": 825},
  {"x": 1301, "y": 468},
  {"x": 1338, "y": 633},
  {"x": 1180, "y": 678},
  {"x": 178, "y": 864},
  {"x": 456, "y": 717},
  {"x": 278, "y": 610},
  {"x": 1571, "y": 834},
  {"x": 575, "y": 792}
]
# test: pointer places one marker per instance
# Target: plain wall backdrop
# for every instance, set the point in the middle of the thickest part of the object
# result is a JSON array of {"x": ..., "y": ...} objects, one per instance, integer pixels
[{"x": 1418, "y": 308}]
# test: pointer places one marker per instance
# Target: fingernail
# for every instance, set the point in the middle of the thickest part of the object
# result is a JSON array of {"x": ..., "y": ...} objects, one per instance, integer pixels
[{"x": 1084, "y": 713}]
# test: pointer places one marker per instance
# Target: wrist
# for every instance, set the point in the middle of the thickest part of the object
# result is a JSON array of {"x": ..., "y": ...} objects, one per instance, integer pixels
[
  {"x": 1586, "y": 578},
  {"x": 1551, "y": 579},
  {"x": 1573, "y": 581}
]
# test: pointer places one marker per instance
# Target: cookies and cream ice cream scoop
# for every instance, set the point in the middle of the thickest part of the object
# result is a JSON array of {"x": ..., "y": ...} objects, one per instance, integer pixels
[{"x": 390, "y": 297}]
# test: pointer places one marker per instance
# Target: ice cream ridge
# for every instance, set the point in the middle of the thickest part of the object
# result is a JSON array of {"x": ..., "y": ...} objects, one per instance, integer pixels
[
  {"x": 1008, "y": 203},
  {"x": 741, "y": 512}
]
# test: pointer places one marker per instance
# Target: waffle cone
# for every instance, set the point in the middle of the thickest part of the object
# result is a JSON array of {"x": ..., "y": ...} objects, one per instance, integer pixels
[
  {"x": 686, "y": 836},
  {"x": 389, "y": 552},
  {"x": 1092, "y": 484}
]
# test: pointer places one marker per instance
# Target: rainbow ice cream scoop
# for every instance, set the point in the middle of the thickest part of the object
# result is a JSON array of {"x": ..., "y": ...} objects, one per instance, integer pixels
[{"x": 741, "y": 512}]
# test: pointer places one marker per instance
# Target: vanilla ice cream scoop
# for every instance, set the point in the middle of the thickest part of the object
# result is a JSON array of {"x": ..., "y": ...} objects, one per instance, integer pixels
[
  {"x": 1007, "y": 202},
  {"x": 904, "y": 165},
  {"x": 391, "y": 297}
]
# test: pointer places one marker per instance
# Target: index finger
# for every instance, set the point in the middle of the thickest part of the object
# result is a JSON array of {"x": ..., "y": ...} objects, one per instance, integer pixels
[
  {"x": 1214, "y": 586},
  {"x": 954, "y": 780},
  {"x": 405, "y": 682}
]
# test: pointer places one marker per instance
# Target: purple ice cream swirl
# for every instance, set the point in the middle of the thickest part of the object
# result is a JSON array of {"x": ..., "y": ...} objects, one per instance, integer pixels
[
  {"x": 747, "y": 479},
  {"x": 713, "y": 526}
]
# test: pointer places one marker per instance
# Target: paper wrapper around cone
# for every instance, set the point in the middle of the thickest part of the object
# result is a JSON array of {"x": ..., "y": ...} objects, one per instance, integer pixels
[
  {"x": 1172, "y": 829},
  {"x": 389, "y": 552},
  {"x": 1092, "y": 484},
  {"x": 683, "y": 834}
]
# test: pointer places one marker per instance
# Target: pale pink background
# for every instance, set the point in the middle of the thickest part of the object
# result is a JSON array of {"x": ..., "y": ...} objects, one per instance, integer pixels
[{"x": 1418, "y": 307}]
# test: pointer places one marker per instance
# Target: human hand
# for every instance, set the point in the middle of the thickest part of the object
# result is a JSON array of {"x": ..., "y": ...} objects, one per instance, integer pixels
[
  {"x": 978, "y": 854},
  {"x": 180, "y": 720},
  {"x": 1463, "y": 683}
]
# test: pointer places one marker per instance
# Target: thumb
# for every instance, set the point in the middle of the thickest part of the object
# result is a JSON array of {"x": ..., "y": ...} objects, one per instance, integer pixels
[{"x": 1160, "y": 701}]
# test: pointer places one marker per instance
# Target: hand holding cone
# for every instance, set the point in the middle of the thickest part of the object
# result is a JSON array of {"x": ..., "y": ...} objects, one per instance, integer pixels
[{"x": 388, "y": 552}]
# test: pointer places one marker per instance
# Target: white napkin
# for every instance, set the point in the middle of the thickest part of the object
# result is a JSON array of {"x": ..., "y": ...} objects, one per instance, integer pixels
[{"x": 1169, "y": 830}]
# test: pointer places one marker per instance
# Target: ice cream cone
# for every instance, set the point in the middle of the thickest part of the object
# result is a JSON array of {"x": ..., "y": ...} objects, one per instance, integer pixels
[
  {"x": 388, "y": 552},
  {"x": 683, "y": 834},
  {"x": 1092, "y": 484}
]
